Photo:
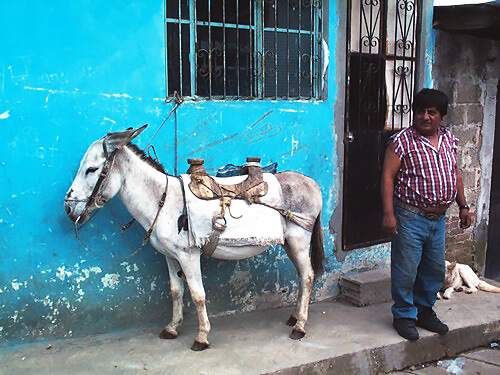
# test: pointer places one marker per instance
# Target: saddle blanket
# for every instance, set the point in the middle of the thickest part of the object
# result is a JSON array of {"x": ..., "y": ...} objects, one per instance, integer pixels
[{"x": 247, "y": 224}]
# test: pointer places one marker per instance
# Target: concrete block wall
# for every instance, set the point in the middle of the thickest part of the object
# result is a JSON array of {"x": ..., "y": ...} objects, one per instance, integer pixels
[{"x": 467, "y": 69}]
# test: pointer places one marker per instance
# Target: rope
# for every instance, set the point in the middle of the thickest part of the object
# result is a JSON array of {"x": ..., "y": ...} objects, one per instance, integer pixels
[{"x": 178, "y": 102}]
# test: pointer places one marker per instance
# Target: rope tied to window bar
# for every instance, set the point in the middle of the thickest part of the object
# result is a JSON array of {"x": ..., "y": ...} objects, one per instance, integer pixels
[{"x": 178, "y": 101}]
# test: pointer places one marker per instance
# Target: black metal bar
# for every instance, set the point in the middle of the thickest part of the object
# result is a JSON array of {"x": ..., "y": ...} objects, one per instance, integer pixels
[
  {"x": 261, "y": 24},
  {"x": 298, "y": 42},
  {"x": 416, "y": 18},
  {"x": 194, "y": 64},
  {"x": 180, "y": 48},
  {"x": 412, "y": 63},
  {"x": 250, "y": 43},
  {"x": 320, "y": 16},
  {"x": 275, "y": 49},
  {"x": 224, "y": 46},
  {"x": 288, "y": 49},
  {"x": 394, "y": 95},
  {"x": 238, "y": 48},
  {"x": 403, "y": 75},
  {"x": 383, "y": 16},
  {"x": 311, "y": 59},
  {"x": 209, "y": 51}
]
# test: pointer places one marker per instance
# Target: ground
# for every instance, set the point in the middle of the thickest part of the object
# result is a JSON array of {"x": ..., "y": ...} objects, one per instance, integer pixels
[{"x": 340, "y": 339}]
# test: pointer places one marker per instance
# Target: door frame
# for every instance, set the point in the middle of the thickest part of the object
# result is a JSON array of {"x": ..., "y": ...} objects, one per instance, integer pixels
[{"x": 423, "y": 78}]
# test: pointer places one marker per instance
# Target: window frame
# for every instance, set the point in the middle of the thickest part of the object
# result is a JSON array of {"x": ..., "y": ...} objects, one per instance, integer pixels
[{"x": 257, "y": 81}]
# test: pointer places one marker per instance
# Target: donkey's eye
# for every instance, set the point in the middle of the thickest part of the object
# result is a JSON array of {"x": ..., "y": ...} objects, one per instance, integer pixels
[{"x": 90, "y": 170}]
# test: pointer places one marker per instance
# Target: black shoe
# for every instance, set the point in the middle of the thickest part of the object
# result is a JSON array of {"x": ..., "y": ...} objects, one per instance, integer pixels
[
  {"x": 428, "y": 320},
  {"x": 406, "y": 328}
]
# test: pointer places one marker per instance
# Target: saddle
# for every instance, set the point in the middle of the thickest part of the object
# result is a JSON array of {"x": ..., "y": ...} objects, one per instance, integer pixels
[{"x": 204, "y": 186}]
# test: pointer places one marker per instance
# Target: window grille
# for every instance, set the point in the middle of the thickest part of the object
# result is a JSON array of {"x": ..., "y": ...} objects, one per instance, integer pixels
[
  {"x": 381, "y": 63},
  {"x": 244, "y": 49}
]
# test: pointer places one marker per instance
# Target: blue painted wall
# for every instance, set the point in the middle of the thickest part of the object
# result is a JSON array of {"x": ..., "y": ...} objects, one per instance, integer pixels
[{"x": 69, "y": 73}]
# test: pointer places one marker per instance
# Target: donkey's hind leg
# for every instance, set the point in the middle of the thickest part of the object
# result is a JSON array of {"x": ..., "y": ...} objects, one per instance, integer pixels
[
  {"x": 177, "y": 290},
  {"x": 297, "y": 249}
]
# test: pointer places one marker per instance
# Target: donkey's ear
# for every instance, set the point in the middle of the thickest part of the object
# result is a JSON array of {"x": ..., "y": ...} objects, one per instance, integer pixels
[
  {"x": 114, "y": 140},
  {"x": 138, "y": 131}
]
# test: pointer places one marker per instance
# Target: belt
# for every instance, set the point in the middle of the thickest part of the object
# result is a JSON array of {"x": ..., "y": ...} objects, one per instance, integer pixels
[{"x": 418, "y": 211}]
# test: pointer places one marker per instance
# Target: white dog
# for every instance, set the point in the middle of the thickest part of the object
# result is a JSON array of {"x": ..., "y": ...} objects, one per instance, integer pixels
[{"x": 461, "y": 277}]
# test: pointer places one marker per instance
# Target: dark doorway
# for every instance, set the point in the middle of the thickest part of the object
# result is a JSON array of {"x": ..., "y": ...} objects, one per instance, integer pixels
[
  {"x": 364, "y": 145},
  {"x": 492, "y": 270}
]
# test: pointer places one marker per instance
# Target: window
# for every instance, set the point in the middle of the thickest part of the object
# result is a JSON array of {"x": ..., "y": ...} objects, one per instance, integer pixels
[
  {"x": 381, "y": 63},
  {"x": 245, "y": 49}
]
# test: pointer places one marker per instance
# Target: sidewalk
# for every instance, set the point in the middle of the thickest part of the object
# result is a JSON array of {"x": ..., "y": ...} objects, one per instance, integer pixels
[{"x": 340, "y": 339}]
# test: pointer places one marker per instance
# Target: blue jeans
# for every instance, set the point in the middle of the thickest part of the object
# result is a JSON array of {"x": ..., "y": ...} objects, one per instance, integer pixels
[{"x": 417, "y": 263}]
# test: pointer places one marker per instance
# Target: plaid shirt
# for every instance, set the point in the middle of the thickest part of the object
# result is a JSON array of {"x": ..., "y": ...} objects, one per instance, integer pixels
[{"x": 427, "y": 176}]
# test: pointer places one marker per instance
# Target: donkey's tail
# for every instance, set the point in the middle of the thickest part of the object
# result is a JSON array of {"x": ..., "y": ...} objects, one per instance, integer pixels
[{"x": 317, "y": 248}]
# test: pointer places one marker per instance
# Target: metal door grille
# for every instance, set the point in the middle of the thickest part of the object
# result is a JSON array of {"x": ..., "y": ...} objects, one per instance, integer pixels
[
  {"x": 245, "y": 49},
  {"x": 381, "y": 50}
]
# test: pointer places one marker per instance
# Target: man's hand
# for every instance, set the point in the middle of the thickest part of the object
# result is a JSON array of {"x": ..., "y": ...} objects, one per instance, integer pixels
[
  {"x": 389, "y": 224},
  {"x": 391, "y": 168},
  {"x": 465, "y": 218}
]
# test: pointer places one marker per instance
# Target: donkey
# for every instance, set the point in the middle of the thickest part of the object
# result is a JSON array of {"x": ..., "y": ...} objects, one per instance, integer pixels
[{"x": 114, "y": 165}]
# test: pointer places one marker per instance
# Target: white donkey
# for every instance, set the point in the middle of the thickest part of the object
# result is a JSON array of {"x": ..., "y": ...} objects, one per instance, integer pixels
[{"x": 112, "y": 164}]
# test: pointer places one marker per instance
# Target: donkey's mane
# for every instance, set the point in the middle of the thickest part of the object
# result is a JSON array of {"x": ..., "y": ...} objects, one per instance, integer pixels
[{"x": 149, "y": 160}]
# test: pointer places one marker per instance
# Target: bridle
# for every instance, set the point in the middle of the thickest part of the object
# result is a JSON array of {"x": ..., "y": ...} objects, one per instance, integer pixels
[{"x": 96, "y": 200}]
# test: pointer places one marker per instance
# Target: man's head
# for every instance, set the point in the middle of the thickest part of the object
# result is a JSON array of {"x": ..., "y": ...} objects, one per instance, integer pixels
[
  {"x": 427, "y": 98},
  {"x": 429, "y": 107}
]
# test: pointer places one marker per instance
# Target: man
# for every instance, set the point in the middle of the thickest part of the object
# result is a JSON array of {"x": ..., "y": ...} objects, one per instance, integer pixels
[{"x": 420, "y": 180}]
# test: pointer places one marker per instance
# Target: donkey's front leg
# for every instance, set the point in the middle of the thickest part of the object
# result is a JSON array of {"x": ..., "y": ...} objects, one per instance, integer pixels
[
  {"x": 177, "y": 290},
  {"x": 190, "y": 264}
]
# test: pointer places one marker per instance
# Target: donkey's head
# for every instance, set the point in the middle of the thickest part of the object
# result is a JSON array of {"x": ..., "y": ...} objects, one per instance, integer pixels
[{"x": 95, "y": 183}]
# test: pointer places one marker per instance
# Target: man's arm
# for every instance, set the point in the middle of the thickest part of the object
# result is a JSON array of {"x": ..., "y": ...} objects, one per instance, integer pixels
[
  {"x": 391, "y": 168},
  {"x": 465, "y": 215}
]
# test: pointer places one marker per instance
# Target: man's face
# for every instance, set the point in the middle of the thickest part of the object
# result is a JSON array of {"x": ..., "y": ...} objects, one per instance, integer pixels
[{"x": 427, "y": 121}]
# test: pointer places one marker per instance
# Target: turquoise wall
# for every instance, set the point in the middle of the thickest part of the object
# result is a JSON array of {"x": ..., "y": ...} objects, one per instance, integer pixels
[{"x": 69, "y": 73}]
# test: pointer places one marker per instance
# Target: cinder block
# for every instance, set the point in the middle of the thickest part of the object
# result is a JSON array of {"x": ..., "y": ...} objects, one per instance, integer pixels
[
  {"x": 468, "y": 93},
  {"x": 455, "y": 116},
  {"x": 475, "y": 114},
  {"x": 367, "y": 288}
]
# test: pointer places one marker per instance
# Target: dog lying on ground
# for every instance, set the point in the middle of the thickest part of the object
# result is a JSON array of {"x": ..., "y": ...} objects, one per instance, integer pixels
[{"x": 461, "y": 277}]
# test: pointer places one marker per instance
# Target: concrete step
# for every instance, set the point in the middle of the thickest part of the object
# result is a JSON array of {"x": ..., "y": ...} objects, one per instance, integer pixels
[
  {"x": 340, "y": 339},
  {"x": 366, "y": 288}
]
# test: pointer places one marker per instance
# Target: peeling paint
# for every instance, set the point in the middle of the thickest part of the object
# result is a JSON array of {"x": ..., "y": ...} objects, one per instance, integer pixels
[
  {"x": 108, "y": 119},
  {"x": 5, "y": 115},
  {"x": 62, "y": 273},
  {"x": 110, "y": 280},
  {"x": 295, "y": 144}
]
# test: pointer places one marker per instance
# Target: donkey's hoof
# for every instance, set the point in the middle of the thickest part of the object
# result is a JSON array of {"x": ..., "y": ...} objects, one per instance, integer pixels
[
  {"x": 297, "y": 335},
  {"x": 167, "y": 335},
  {"x": 199, "y": 346},
  {"x": 291, "y": 321}
]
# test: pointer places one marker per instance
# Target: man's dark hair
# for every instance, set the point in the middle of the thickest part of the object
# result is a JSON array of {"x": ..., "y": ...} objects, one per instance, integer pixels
[{"x": 427, "y": 98}]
